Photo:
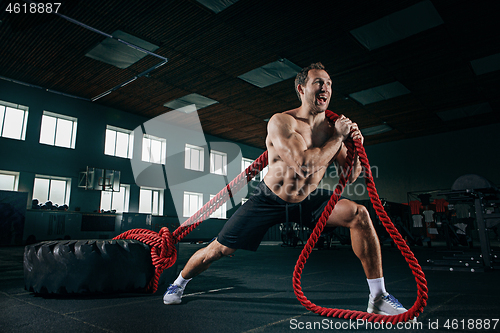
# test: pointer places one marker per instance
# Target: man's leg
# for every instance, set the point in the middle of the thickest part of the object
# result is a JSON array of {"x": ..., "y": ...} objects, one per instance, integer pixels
[
  {"x": 366, "y": 246},
  {"x": 198, "y": 263},
  {"x": 203, "y": 258},
  {"x": 364, "y": 239}
]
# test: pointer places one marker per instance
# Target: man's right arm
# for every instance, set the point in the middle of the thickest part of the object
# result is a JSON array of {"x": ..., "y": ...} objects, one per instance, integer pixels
[{"x": 293, "y": 150}]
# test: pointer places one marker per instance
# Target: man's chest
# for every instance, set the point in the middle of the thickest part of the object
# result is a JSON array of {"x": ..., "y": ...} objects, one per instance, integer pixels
[{"x": 315, "y": 136}]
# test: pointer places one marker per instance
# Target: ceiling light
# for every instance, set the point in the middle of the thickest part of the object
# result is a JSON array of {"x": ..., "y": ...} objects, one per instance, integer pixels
[
  {"x": 398, "y": 26},
  {"x": 380, "y": 93},
  {"x": 271, "y": 73},
  {"x": 376, "y": 130},
  {"x": 217, "y": 5},
  {"x": 187, "y": 109},
  {"x": 464, "y": 112},
  {"x": 487, "y": 64},
  {"x": 196, "y": 99},
  {"x": 118, "y": 54}
]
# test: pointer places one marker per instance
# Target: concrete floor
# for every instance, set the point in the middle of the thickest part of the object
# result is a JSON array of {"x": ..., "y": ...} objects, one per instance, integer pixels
[{"x": 252, "y": 292}]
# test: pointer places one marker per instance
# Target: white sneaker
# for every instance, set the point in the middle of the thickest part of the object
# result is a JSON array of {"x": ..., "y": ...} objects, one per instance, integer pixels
[
  {"x": 173, "y": 294},
  {"x": 385, "y": 304}
]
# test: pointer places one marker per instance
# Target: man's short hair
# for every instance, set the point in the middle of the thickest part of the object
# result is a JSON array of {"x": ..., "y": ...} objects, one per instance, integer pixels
[{"x": 302, "y": 76}]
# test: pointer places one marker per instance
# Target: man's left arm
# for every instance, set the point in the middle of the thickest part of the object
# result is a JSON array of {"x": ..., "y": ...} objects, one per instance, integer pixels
[{"x": 342, "y": 155}]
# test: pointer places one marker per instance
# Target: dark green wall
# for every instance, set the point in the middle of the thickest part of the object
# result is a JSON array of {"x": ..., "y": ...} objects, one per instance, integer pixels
[
  {"x": 432, "y": 162},
  {"x": 420, "y": 164},
  {"x": 29, "y": 157}
]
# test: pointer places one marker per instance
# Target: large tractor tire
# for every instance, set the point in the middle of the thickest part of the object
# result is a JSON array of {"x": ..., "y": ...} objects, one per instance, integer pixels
[{"x": 89, "y": 267}]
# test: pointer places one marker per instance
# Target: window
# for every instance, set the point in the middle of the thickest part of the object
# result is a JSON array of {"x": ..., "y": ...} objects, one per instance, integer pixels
[
  {"x": 54, "y": 189},
  {"x": 192, "y": 203},
  {"x": 263, "y": 173},
  {"x": 151, "y": 201},
  {"x": 13, "y": 120},
  {"x": 9, "y": 180},
  {"x": 220, "y": 213},
  {"x": 246, "y": 162},
  {"x": 218, "y": 163},
  {"x": 154, "y": 149},
  {"x": 194, "y": 158},
  {"x": 243, "y": 200},
  {"x": 58, "y": 130},
  {"x": 116, "y": 200},
  {"x": 118, "y": 142}
]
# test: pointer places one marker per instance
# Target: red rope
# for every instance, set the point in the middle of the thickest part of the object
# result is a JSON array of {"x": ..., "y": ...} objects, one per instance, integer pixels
[
  {"x": 164, "y": 254},
  {"x": 163, "y": 250},
  {"x": 421, "y": 301}
]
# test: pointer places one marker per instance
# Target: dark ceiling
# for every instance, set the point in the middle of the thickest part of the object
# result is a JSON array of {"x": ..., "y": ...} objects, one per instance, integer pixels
[{"x": 207, "y": 52}]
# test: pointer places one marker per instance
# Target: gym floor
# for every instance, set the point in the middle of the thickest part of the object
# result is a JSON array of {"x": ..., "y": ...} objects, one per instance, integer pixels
[{"x": 252, "y": 292}]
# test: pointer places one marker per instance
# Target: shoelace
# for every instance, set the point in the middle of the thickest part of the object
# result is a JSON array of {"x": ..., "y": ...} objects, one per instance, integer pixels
[
  {"x": 393, "y": 301},
  {"x": 173, "y": 289}
]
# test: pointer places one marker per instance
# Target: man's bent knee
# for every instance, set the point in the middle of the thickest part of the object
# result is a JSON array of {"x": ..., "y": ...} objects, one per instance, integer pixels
[
  {"x": 361, "y": 218},
  {"x": 216, "y": 251}
]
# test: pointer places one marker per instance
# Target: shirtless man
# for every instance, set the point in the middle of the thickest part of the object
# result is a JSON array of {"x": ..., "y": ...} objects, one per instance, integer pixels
[{"x": 301, "y": 144}]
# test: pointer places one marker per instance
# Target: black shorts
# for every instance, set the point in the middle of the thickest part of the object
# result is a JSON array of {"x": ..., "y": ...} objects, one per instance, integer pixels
[{"x": 248, "y": 225}]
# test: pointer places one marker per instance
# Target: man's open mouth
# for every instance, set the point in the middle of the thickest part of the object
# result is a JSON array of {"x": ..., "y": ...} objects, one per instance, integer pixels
[{"x": 322, "y": 99}]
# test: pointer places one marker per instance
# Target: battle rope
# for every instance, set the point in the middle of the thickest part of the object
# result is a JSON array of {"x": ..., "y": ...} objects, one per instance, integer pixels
[
  {"x": 164, "y": 253},
  {"x": 163, "y": 250},
  {"x": 421, "y": 301}
]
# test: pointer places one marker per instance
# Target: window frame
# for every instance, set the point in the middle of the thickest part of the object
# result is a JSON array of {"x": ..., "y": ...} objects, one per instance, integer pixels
[
  {"x": 245, "y": 161},
  {"x": 222, "y": 210},
  {"x": 163, "y": 149},
  {"x": 188, "y": 213},
  {"x": 126, "y": 199},
  {"x": 16, "y": 178},
  {"x": 214, "y": 153},
  {"x": 160, "y": 199},
  {"x": 188, "y": 157},
  {"x": 3, "y": 112},
  {"x": 116, "y": 130},
  {"x": 58, "y": 117},
  {"x": 259, "y": 176},
  {"x": 67, "y": 192}
]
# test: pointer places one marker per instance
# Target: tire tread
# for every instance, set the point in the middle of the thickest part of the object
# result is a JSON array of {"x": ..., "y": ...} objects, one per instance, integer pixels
[{"x": 87, "y": 266}]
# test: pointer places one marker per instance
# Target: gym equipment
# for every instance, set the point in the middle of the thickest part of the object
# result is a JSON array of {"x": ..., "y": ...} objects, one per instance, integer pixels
[
  {"x": 484, "y": 194},
  {"x": 164, "y": 254},
  {"x": 420, "y": 303},
  {"x": 89, "y": 267},
  {"x": 484, "y": 198},
  {"x": 289, "y": 233},
  {"x": 236, "y": 184}
]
